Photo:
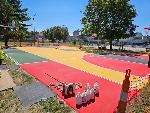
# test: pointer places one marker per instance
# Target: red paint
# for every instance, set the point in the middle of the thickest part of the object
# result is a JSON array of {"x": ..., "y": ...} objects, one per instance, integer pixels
[
  {"x": 118, "y": 65},
  {"x": 109, "y": 91}
]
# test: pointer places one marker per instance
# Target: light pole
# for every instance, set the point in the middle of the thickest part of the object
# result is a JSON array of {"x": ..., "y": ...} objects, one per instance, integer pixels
[
  {"x": 34, "y": 27},
  {"x": 34, "y": 35}
]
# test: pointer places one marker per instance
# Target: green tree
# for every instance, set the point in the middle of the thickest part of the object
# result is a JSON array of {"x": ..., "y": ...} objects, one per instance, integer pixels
[
  {"x": 109, "y": 19},
  {"x": 56, "y": 33},
  {"x": 49, "y": 34},
  {"x": 12, "y": 10},
  {"x": 21, "y": 34}
]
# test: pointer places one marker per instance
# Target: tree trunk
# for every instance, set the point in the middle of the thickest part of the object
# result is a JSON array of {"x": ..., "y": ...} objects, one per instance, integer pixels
[
  {"x": 98, "y": 45},
  {"x": 34, "y": 41},
  {"x": 0, "y": 61},
  {"x": 80, "y": 46},
  {"x": 20, "y": 41},
  {"x": 6, "y": 40},
  {"x": 42, "y": 41},
  {"x": 14, "y": 42},
  {"x": 49, "y": 41},
  {"x": 122, "y": 46},
  {"x": 80, "y": 43},
  {"x": 110, "y": 43}
]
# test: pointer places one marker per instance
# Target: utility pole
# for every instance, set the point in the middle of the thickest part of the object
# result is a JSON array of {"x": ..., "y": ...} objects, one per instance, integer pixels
[
  {"x": 34, "y": 35},
  {"x": 34, "y": 27}
]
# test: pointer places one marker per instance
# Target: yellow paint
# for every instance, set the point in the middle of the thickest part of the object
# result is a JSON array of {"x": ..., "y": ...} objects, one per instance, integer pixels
[
  {"x": 74, "y": 59},
  {"x": 138, "y": 83}
]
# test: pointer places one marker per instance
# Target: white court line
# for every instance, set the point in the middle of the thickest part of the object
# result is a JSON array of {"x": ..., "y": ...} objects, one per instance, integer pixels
[
  {"x": 12, "y": 59},
  {"x": 33, "y": 62}
]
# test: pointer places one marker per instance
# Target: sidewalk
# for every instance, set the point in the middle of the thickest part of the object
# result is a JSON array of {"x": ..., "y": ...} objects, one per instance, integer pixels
[{"x": 5, "y": 80}]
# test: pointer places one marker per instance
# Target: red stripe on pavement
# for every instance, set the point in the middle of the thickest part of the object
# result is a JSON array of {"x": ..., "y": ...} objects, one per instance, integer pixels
[{"x": 137, "y": 69}]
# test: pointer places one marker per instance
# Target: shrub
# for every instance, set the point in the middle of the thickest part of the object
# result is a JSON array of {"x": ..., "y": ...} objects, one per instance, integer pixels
[{"x": 1, "y": 54}]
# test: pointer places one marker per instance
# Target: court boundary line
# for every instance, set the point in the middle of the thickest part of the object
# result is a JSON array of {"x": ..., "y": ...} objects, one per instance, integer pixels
[{"x": 33, "y": 62}]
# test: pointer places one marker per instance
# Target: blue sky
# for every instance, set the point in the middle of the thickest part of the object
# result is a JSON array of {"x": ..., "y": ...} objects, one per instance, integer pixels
[{"x": 67, "y": 12}]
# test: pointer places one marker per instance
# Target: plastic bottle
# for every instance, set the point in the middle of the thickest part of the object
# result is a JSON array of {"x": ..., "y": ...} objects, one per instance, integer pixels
[
  {"x": 96, "y": 88},
  {"x": 78, "y": 99}
]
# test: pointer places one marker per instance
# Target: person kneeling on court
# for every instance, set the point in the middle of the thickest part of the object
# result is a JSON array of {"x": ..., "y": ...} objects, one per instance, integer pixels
[{"x": 68, "y": 89}]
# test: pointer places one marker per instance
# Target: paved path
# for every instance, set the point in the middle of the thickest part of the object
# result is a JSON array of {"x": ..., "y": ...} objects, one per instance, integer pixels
[{"x": 32, "y": 93}]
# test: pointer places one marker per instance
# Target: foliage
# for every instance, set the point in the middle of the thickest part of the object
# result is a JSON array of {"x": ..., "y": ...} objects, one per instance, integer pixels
[
  {"x": 1, "y": 54},
  {"x": 12, "y": 10},
  {"x": 74, "y": 42},
  {"x": 56, "y": 33},
  {"x": 21, "y": 77},
  {"x": 141, "y": 102},
  {"x": 52, "y": 105},
  {"x": 109, "y": 19}
]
